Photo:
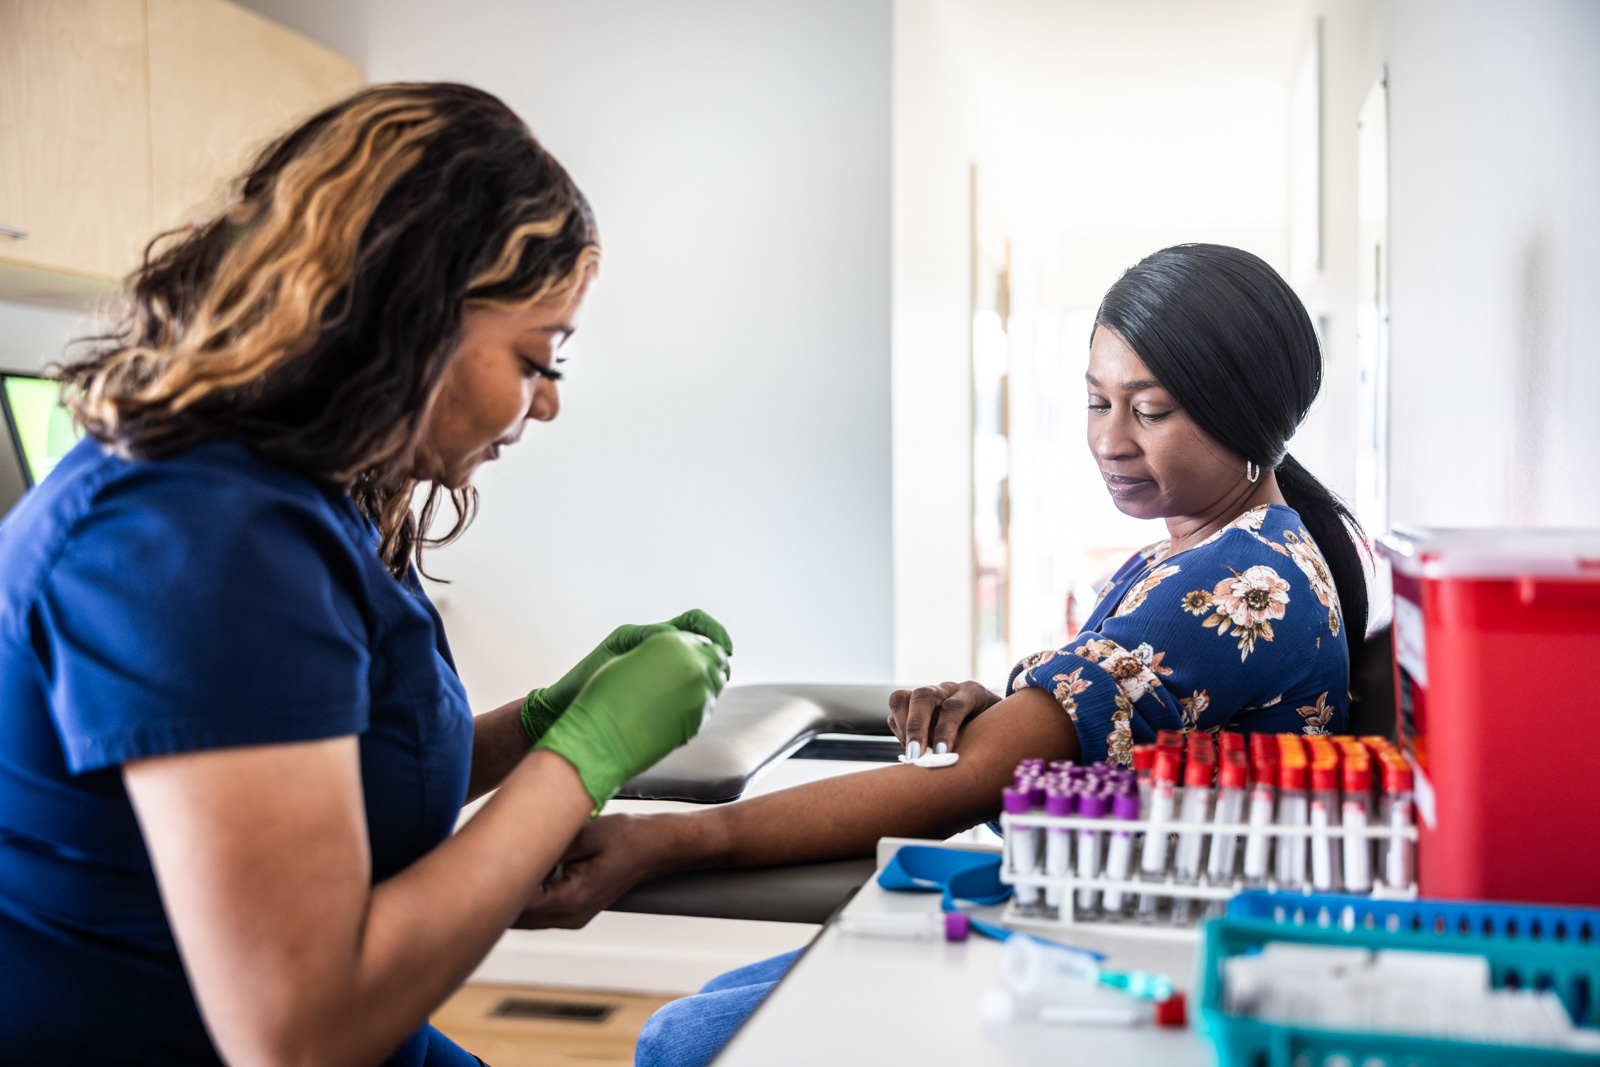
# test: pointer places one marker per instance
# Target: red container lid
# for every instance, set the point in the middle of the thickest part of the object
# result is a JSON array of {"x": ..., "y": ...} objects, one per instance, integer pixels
[
  {"x": 1291, "y": 762},
  {"x": 1357, "y": 776},
  {"x": 1172, "y": 1012},
  {"x": 1235, "y": 772},
  {"x": 1350, "y": 747},
  {"x": 1168, "y": 760},
  {"x": 1324, "y": 758},
  {"x": 1396, "y": 773},
  {"x": 1491, "y": 553},
  {"x": 1264, "y": 757},
  {"x": 1200, "y": 770},
  {"x": 1144, "y": 757},
  {"x": 1169, "y": 739},
  {"x": 1231, "y": 741}
]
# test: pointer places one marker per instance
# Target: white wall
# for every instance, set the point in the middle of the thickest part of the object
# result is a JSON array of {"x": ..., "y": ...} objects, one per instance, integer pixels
[
  {"x": 1494, "y": 127},
  {"x": 1495, "y": 236},
  {"x": 1101, "y": 133},
  {"x": 935, "y": 144},
  {"x": 31, "y": 337},
  {"x": 724, "y": 441}
]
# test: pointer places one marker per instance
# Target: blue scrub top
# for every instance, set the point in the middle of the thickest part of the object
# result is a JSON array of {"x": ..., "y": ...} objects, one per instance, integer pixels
[{"x": 154, "y": 607}]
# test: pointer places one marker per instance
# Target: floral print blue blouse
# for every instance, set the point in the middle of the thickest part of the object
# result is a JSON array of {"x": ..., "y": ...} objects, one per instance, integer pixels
[{"x": 1244, "y": 630}]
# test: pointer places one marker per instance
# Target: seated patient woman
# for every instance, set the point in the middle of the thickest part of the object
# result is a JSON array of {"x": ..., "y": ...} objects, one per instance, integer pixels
[{"x": 1201, "y": 365}]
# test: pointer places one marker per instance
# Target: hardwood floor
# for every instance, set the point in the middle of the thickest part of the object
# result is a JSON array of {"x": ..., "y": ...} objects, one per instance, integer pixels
[{"x": 538, "y": 1026}]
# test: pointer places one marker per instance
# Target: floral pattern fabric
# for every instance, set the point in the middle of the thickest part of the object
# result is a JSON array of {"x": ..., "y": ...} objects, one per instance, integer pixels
[{"x": 1243, "y": 630}]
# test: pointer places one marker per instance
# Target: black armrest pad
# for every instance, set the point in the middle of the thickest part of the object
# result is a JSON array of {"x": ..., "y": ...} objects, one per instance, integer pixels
[
  {"x": 751, "y": 726},
  {"x": 805, "y": 893}
]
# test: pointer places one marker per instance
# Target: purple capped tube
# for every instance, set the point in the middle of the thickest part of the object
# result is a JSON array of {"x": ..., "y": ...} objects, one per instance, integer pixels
[{"x": 1024, "y": 844}]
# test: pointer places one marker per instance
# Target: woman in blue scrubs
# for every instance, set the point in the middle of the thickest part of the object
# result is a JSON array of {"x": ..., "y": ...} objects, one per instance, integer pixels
[{"x": 233, "y": 743}]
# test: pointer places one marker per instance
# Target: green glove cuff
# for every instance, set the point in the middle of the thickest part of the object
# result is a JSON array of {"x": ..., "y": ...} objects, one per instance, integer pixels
[
  {"x": 579, "y": 740},
  {"x": 537, "y": 715}
]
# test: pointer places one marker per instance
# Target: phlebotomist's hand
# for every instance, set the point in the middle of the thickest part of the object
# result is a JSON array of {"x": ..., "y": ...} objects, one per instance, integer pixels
[
  {"x": 637, "y": 708},
  {"x": 544, "y": 706},
  {"x": 928, "y": 719}
]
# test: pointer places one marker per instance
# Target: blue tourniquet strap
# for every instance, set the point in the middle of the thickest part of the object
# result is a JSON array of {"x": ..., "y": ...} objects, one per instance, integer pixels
[{"x": 960, "y": 875}]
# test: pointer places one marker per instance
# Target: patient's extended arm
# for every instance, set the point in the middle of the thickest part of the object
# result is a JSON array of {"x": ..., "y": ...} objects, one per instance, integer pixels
[{"x": 831, "y": 819}]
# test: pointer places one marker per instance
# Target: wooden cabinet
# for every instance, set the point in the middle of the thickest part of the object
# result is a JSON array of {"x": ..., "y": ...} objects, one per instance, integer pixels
[
  {"x": 123, "y": 118},
  {"x": 74, "y": 137},
  {"x": 223, "y": 83}
]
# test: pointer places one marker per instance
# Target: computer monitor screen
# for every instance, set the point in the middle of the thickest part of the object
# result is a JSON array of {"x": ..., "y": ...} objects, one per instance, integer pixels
[{"x": 41, "y": 429}]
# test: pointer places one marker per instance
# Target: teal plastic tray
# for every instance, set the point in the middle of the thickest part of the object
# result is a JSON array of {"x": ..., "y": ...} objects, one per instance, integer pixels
[{"x": 1544, "y": 948}]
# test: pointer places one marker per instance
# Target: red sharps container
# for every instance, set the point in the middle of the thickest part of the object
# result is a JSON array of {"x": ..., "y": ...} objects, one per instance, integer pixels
[{"x": 1497, "y": 646}]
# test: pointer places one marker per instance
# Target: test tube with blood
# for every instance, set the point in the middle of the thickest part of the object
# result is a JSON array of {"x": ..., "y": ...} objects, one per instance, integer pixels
[
  {"x": 1163, "y": 794},
  {"x": 1058, "y": 842},
  {"x": 1119, "y": 846},
  {"x": 1090, "y": 806},
  {"x": 1024, "y": 846},
  {"x": 1395, "y": 811},
  {"x": 1263, "y": 805},
  {"x": 1232, "y": 779},
  {"x": 1376, "y": 746},
  {"x": 1196, "y": 812},
  {"x": 1357, "y": 810},
  {"x": 1144, "y": 761},
  {"x": 1325, "y": 851},
  {"x": 1290, "y": 865}
]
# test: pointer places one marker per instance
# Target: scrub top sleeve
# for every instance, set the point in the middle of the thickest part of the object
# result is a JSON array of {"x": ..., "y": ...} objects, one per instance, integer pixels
[
  {"x": 1217, "y": 630},
  {"x": 202, "y": 613}
]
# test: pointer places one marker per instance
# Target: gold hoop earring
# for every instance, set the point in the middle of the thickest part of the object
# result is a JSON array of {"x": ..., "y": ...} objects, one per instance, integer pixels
[{"x": 1251, "y": 471}]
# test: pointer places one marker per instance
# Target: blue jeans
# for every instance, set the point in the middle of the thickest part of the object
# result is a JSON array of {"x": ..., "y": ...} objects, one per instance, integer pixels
[{"x": 689, "y": 1032}]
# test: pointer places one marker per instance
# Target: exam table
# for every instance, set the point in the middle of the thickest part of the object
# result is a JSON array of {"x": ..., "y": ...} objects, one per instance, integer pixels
[{"x": 754, "y": 728}]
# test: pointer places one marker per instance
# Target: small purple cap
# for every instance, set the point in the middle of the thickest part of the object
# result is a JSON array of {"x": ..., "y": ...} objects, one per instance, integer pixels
[
  {"x": 1014, "y": 800},
  {"x": 955, "y": 926},
  {"x": 1060, "y": 803},
  {"x": 1126, "y": 805},
  {"x": 1092, "y": 805},
  {"x": 1032, "y": 763},
  {"x": 1036, "y": 791}
]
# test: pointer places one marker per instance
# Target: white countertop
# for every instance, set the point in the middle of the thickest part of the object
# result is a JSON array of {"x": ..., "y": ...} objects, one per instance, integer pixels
[{"x": 854, "y": 999}]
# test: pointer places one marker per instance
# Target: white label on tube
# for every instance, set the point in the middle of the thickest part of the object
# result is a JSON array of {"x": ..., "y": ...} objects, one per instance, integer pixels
[
  {"x": 1025, "y": 855},
  {"x": 1321, "y": 848},
  {"x": 1119, "y": 853},
  {"x": 1057, "y": 857},
  {"x": 1258, "y": 844},
  {"x": 1357, "y": 850}
]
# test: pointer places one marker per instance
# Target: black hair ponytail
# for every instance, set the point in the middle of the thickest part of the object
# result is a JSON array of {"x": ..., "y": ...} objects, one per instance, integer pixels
[
  {"x": 1337, "y": 533},
  {"x": 1226, "y": 336}
]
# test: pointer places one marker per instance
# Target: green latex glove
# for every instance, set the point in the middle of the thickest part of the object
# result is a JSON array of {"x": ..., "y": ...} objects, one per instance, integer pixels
[
  {"x": 544, "y": 706},
  {"x": 637, "y": 708}
]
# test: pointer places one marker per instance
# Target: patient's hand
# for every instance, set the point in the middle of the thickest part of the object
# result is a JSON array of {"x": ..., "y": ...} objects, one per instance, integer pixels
[
  {"x": 932, "y": 715},
  {"x": 603, "y": 862}
]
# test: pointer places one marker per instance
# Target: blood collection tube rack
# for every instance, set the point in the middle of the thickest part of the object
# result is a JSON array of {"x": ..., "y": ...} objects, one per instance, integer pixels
[{"x": 1132, "y": 887}]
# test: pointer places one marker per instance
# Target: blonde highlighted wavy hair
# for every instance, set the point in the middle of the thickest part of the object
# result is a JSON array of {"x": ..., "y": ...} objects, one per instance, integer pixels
[{"x": 311, "y": 319}]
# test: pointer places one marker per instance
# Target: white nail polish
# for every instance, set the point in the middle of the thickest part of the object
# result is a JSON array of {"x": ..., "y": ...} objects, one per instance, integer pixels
[
  {"x": 914, "y": 750},
  {"x": 941, "y": 748}
]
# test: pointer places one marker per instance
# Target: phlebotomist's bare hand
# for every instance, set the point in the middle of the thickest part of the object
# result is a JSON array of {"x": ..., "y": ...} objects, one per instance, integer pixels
[{"x": 930, "y": 717}]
